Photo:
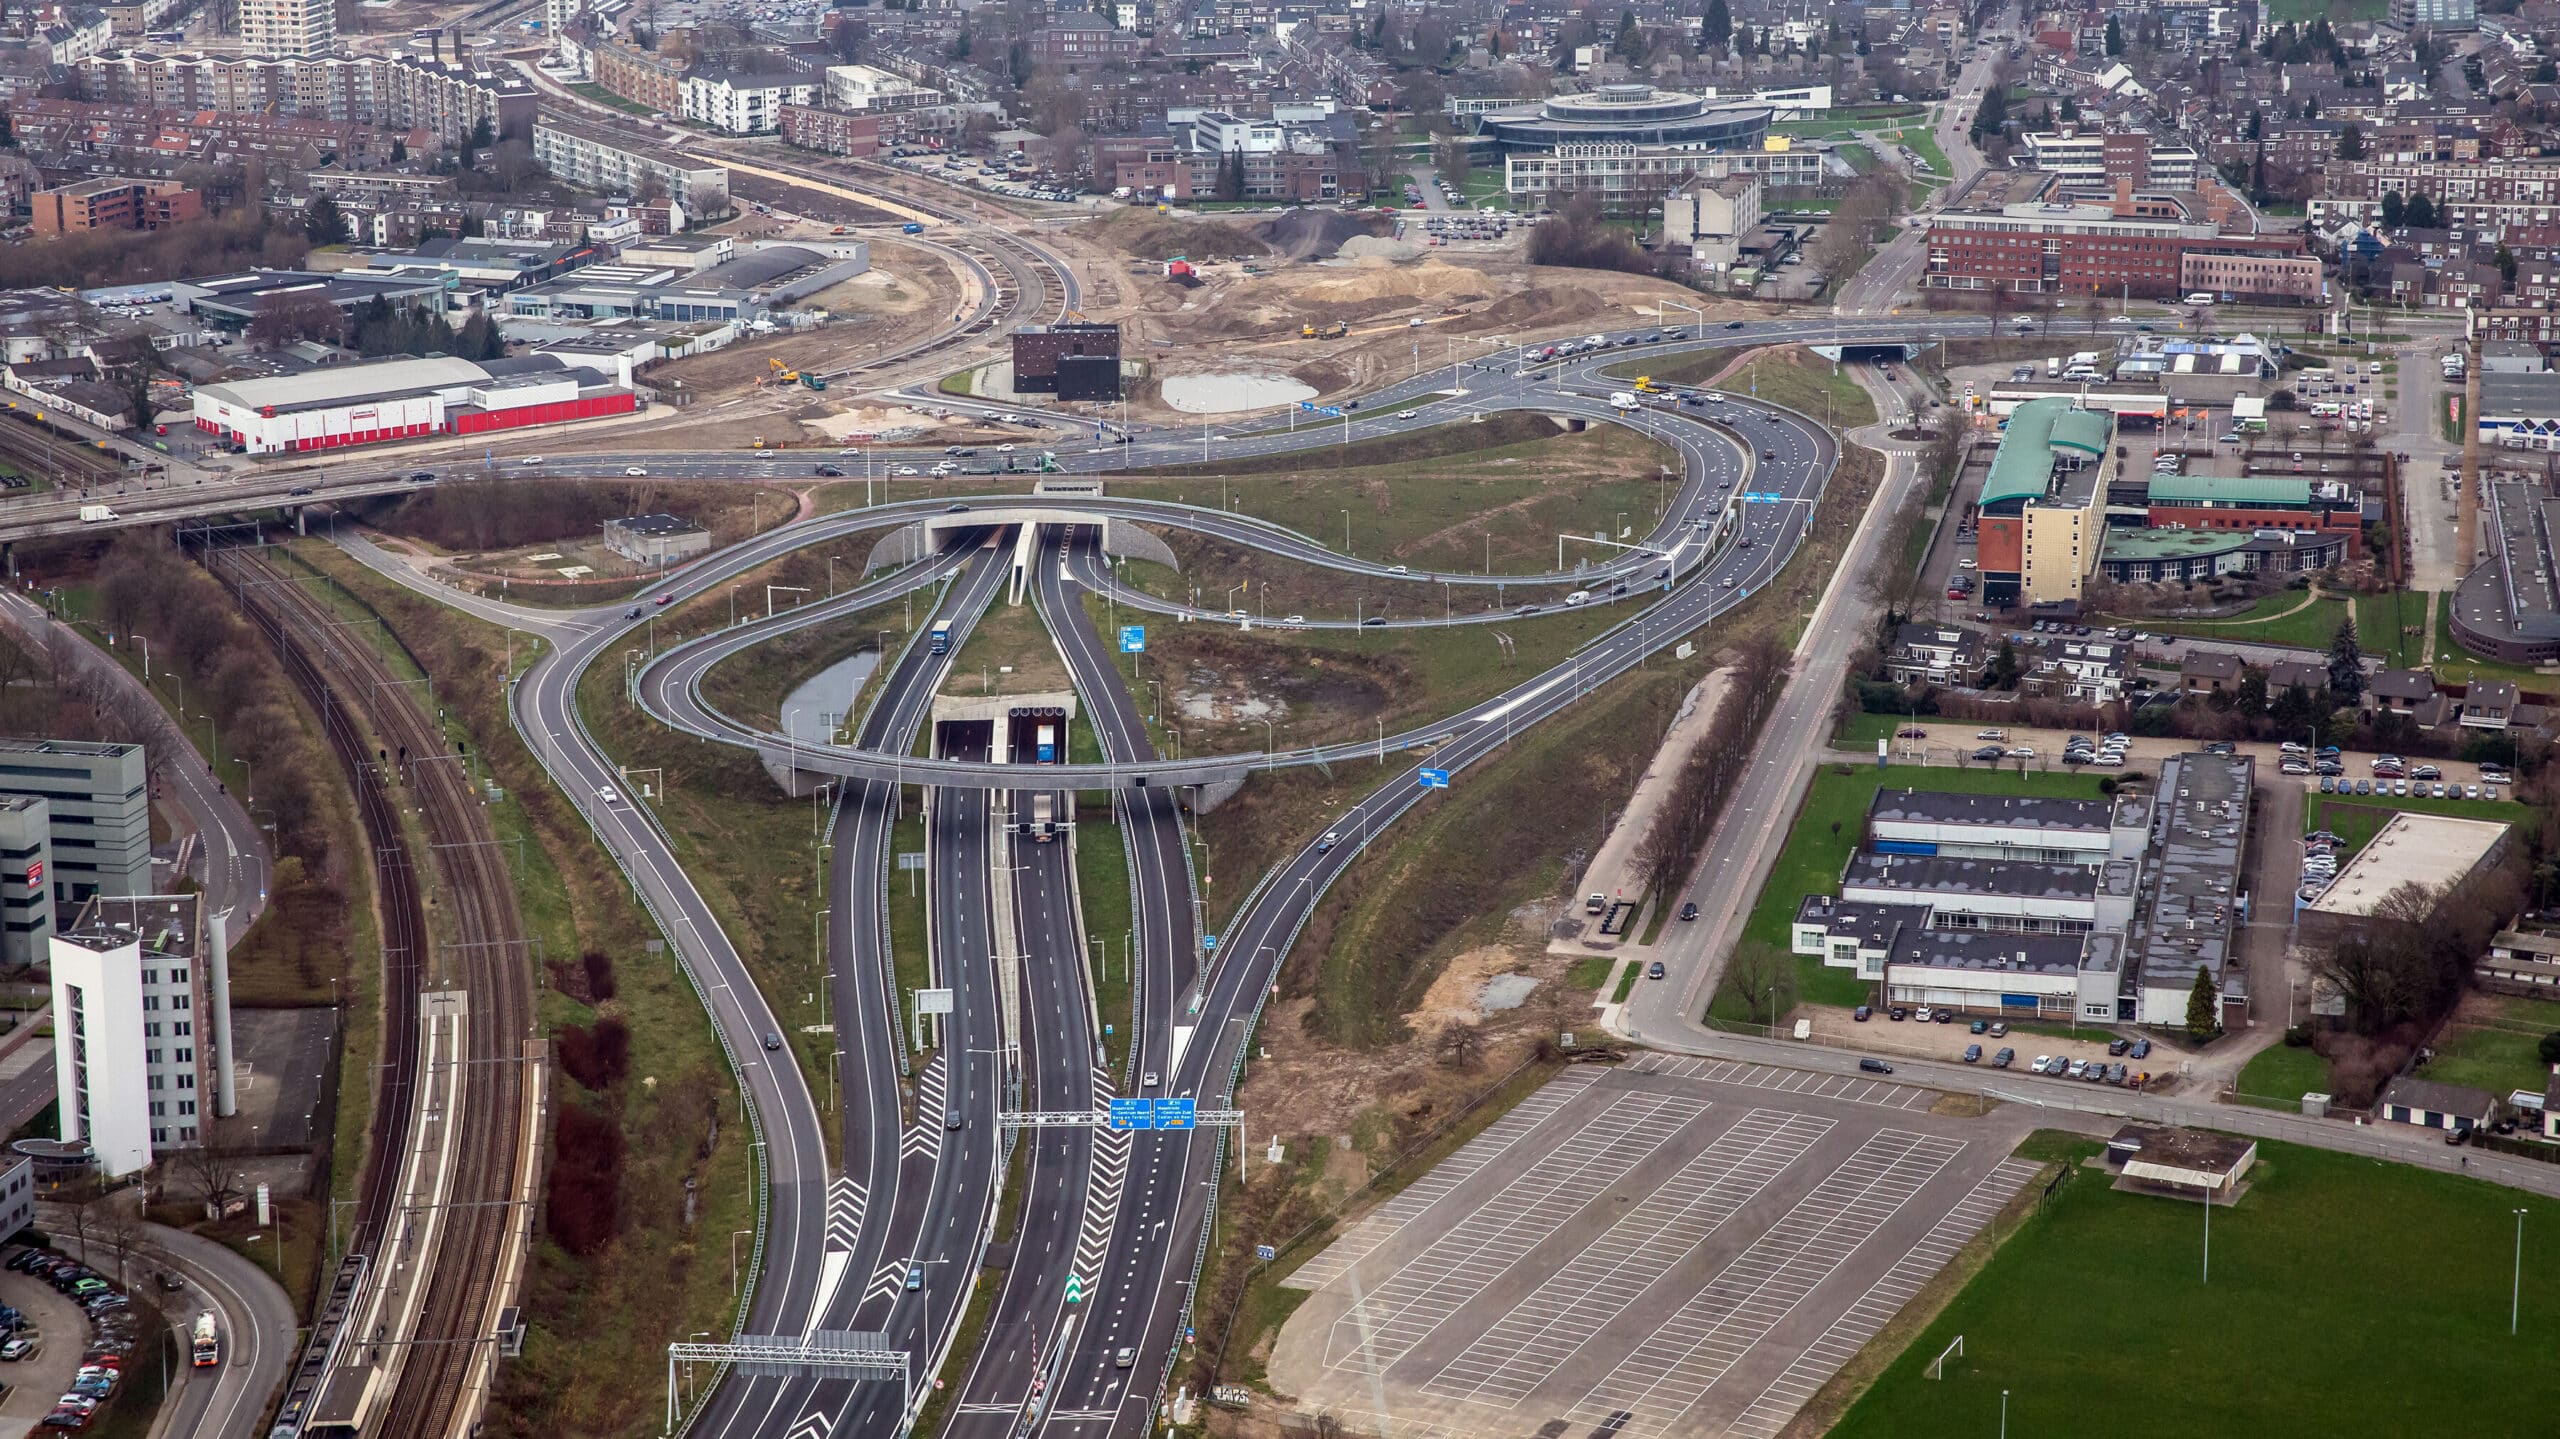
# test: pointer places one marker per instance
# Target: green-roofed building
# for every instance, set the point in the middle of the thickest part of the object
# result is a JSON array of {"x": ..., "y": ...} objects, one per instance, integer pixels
[
  {"x": 2042, "y": 505},
  {"x": 2257, "y": 504}
]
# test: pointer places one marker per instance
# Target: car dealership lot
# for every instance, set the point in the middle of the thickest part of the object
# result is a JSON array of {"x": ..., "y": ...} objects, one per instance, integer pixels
[{"x": 1669, "y": 1246}]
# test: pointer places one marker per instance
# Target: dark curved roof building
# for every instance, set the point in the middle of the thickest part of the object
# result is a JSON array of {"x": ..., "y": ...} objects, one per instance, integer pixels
[{"x": 1629, "y": 114}]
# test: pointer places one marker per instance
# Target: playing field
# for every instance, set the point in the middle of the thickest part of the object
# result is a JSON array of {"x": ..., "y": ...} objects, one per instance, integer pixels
[{"x": 2346, "y": 1297}]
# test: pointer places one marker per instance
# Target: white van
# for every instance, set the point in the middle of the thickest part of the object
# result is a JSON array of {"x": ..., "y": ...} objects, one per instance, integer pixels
[{"x": 1578, "y": 597}]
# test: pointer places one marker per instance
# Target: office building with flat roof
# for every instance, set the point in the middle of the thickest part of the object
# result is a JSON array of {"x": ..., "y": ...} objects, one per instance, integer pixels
[
  {"x": 142, "y": 1027},
  {"x": 26, "y": 897},
  {"x": 2508, "y": 607},
  {"x": 98, "y": 811}
]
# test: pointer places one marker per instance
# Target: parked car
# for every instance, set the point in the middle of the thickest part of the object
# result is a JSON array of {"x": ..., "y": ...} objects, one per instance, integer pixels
[
  {"x": 1897, "y": 1013},
  {"x": 1973, "y": 1054},
  {"x": 1863, "y": 1013},
  {"x": 2003, "y": 1059},
  {"x": 1875, "y": 1066}
]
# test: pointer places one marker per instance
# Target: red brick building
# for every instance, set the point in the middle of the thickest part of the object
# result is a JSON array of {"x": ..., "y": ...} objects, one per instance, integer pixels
[
  {"x": 2140, "y": 245},
  {"x": 114, "y": 204}
]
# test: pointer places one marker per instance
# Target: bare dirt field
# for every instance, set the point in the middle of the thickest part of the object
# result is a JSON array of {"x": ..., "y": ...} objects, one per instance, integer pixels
[{"x": 908, "y": 294}]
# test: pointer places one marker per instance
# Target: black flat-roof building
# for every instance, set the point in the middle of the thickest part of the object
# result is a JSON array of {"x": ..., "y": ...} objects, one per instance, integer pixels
[{"x": 1076, "y": 360}]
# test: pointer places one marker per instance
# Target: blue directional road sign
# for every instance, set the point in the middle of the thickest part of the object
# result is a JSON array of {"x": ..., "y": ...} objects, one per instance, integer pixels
[
  {"x": 1435, "y": 779},
  {"x": 1133, "y": 639},
  {"x": 1209, "y": 942},
  {"x": 1265, "y": 1252},
  {"x": 1175, "y": 1113},
  {"x": 1763, "y": 497},
  {"x": 1133, "y": 1113},
  {"x": 1312, "y": 408}
]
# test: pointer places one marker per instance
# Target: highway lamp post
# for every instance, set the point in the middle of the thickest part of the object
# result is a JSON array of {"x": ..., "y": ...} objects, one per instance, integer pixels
[
  {"x": 734, "y": 1236},
  {"x": 1346, "y": 531},
  {"x": 1155, "y": 706},
  {"x": 1270, "y": 743},
  {"x": 2004, "y": 1414},
  {"x": 2515, "y": 1299}
]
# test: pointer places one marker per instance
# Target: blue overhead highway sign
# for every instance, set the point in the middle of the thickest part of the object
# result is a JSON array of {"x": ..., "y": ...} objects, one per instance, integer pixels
[
  {"x": 1133, "y": 1114},
  {"x": 1209, "y": 942},
  {"x": 1133, "y": 639},
  {"x": 1435, "y": 778},
  {"x": 1763, "y": 497},
  {"x": 1174, "y": 1113}
]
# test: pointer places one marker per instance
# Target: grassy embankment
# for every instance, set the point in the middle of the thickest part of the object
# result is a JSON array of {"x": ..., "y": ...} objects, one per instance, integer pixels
[{"x": 658, "y": 1278}]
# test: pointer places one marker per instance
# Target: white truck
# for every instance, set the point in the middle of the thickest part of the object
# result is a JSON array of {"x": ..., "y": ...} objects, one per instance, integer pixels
[
  {"x": 93, "y": 514},
  {"x": 1044, "y": 817}
]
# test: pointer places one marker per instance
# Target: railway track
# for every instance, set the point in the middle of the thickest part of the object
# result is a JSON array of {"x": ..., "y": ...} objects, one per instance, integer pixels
[
  {"x": 444, "y": 1360},
  {"x": 33, "y": 447}
]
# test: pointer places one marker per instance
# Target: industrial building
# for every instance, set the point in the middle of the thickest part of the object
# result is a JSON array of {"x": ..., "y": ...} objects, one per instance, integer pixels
[
  {"x": 2432, "y": 851},
  {"x": 97, "y": 812},
  {"x": 2043, "y": 504},
  {"x": 745, "y": 289},
  {"x": 230, "y": 302},
  {"x": 142, "y": 1027},
  {"x": 2099, "y": 911},
  {"x": 402, "y": 398},
  {"x": 1074, "y": 360},
  {"x": 2508, "y": 607}
]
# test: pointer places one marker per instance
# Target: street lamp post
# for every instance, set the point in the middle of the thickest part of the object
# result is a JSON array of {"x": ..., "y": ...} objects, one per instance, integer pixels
[{"x": 2515, "y": 1300}]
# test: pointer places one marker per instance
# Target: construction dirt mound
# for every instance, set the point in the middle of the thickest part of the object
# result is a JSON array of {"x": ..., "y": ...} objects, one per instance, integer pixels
[
  {"x": 1379, "y": 247},
  {"x": 1317, "y": 234},
  {"x": 1371, "y": 282},
  {"x": 1150, "y": 236}
]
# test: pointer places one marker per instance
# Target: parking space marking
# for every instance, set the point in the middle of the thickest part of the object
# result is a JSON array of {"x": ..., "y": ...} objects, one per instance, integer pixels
[
  {"x": 1777, "y": 1405},
  {"x": 1550, "y": 1324},
  {"x": 1669, "y": 1371},
  {"x": 1384, "y": 1324},
  {"x": 1389, "y": 1219},
  {"x": 1787, "y": 1081}
]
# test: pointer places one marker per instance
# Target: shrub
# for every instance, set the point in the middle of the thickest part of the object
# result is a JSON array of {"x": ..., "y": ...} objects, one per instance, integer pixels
[
  {"x": 596, "y": 1055},
  {"x": 584, "y": 1200}
]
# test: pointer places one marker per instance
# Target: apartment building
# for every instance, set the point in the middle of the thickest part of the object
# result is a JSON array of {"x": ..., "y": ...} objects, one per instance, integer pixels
[
  {"x": 98, "y": 812},
  {"x": 2137, "y": 246},
  {"x": 114, "y": 203},
  {"x": 643, "y": 77},
  {"x": 2102, "y": 159},
  {"x": 142, "y": 1027},
  {"x": 289, "y": 29},
  {"x": 400, "y": 92},
  {"x": 592, "y": 157}
]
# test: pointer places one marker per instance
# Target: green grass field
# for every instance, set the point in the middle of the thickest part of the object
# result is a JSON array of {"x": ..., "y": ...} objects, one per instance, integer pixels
[
  {"x": 1925, "y": 145},
  {"x": 2346, "y": 1297},
  {"x": 2499, "y": 1056},
  {"x": 1827, "y": 828},
  {"x": 1798, "y": 379},
  {"x": 2393, "y": 626},
  {"x": 2278, "y": 1076},
  {"x": 2281, "y": 618}
]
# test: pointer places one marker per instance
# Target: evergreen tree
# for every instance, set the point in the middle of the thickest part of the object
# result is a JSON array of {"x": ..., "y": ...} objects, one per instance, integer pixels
[
  {"x": 322, "y": 223},
  {"x": 2506, "y": 261},
  {"x": 399, "y": 150},
  {"x": 2346, "y": 661},
  {"x": 2204, "y": 1010},
  {"x": 2351, "y": 142},
  {"x": 1717, "y": 32},
  {"x": 8, "y": 132},
  {"x": 2422, "y": 213},
  {"x": 2395, "y": 209},
  {"x": 2115, "y": 37}
]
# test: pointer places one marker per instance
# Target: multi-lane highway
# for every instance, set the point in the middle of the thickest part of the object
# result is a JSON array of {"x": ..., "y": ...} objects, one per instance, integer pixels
[{"x": 840, "y": 1251}]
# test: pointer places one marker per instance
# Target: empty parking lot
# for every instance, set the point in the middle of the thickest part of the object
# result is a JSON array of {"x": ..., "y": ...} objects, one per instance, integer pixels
[{"x": 1669, "y": 1246}]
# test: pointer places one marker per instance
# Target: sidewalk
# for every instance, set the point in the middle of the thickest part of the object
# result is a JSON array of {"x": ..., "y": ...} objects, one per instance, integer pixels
[
  {"x": 1611, "y": 871},
  {"x": 255, "y": 1315}
]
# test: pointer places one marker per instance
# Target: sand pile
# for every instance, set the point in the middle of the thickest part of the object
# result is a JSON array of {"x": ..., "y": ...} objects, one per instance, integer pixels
[
  {"x": 1150, "y": 236},
  {"x": 1373, "y": 281},
  {"x": 1379, "y": 247}
]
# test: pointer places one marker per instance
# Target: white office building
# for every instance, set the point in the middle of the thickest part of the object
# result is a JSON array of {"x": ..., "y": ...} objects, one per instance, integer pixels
[
  {"x": 98, "y": 810},
  {"x": 142, "y": 1028},
  {"x": 289, "y": 29}
]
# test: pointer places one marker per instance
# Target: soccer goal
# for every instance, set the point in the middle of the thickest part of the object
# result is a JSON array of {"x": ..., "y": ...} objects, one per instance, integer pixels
[{"x": 1938, "y": 1366}]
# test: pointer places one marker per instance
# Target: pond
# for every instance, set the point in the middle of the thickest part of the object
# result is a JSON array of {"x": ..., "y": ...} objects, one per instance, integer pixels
[
  {"x": 1226, "y": 394},
  {"x": 816, "y": 705}
]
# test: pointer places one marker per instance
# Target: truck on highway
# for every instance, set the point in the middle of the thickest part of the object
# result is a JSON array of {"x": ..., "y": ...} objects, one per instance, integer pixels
[
  {"x": 1044, "y": 817},
  {"x": 1626, "y": 400},
  {"x": 93, "y": 514},
  {"x": 940, "y": 636},
  {"x": 1048, "y": 744},
  {"x": 207, "y": 1342}
]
